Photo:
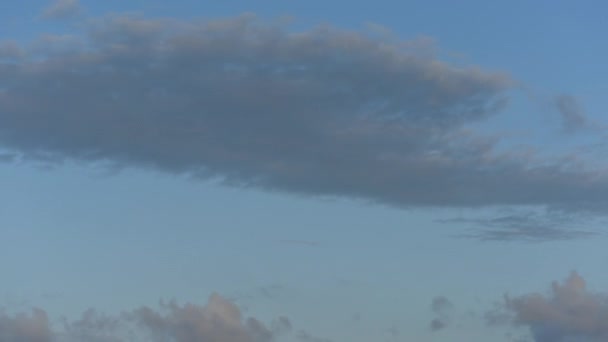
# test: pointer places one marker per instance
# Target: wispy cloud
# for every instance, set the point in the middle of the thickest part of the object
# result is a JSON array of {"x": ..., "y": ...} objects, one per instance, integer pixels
[
  {"x": 62, "y": 9},
  {"x": 304, "y": 336},
  {"x": 527, "y": 226},
  {"x": 572, "y": 113},
  {"x": 271, "y": 291}
]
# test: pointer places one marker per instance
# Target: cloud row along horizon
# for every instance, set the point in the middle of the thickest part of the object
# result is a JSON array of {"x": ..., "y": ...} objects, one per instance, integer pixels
[
  {"x": 218, "y": 320},
  {"x": 322, "y": 111},
  {"x": 569, "y": 311}
]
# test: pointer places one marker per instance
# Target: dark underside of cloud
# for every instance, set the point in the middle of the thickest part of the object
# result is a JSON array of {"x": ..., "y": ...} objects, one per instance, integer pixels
[
  {"x": 568, "y": 313},
  {"x": 441, "y": 308},
  {"x": 218, "y": 321},
  {"x": 318, "y": 112}
]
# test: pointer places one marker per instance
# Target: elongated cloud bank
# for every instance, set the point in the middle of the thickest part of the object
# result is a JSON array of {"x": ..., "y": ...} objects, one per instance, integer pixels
[
  {"x": 218, "y": 321},
  {"x": 321, "y": 112}
]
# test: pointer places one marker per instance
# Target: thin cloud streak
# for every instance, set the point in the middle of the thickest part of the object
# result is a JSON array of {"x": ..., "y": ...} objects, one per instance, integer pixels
[{"x": 526, "y": 226}]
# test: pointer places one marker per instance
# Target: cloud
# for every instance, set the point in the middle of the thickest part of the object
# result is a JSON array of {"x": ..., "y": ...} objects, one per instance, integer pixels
[
  {"x": 94, "y": 327},
  {"x": 572, "y": 114},
  {"x": 62, "y": 9},
  {"x": 217, "y": 321},
  {"x": 393, "y": 332},
  {"x": 437, "y": 324},
  {"x": 281, "y": 325},
  {"x": 266, "y": 292},
  {"x": 7, "y": 157},
  {"x": 526, "y": 226},
  {"x": 568, "y": 313},
  {"x": 322, "y": 112},
  {"x": 33, "y": 327},
  {"x": 441, "y": 304},
  {"x": 304, "y": 336},
  {"x": 441, "y": 307},
  {"x": 10, "y": 51}
]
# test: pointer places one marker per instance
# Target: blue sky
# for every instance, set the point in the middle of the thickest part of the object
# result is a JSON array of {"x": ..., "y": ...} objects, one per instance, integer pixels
[{"x": 331, "y": 178}]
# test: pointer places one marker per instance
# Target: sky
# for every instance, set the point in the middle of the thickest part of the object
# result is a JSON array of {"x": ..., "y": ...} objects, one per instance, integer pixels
[{"x": 319, "y": 171}]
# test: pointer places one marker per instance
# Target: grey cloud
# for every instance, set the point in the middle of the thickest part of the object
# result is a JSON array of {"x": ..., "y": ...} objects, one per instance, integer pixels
[
  {"x": 526, "y": 226},
  {"x": 441, "y": 307},
  {"x": 498, "y": 315},
  {"x": 7, "y": 157},
  {"x": 217, "y": 321},
  {"x": 94, "y": 327},
  {"x": 10, "y": 51},
  {"x": 441, "y": 304},
  {"x": 281, "y": 325},
  {"x": 568, "y": 313},
  {"x": 62, "y": 9},
  {"x": 23, "y": 327},
  {"x": 318, "y": 112},
  {"x": 271, "y": 291},
  {"x": 306, "y": 337},
  {"x": 268, "y": 292},
  {"x": 393, "y": 332},
  {"x": 572, "y": 114},
  {"x": 437, "y": 324},
  {"x": 530, "y": 234}
]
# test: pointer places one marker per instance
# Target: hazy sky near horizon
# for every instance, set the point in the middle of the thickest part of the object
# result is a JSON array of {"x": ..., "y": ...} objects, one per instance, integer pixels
[{"x": 254, "y": 171}]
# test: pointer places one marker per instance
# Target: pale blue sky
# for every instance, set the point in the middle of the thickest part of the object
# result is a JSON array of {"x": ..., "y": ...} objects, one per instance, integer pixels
[{"x": 75, "y": 235}]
